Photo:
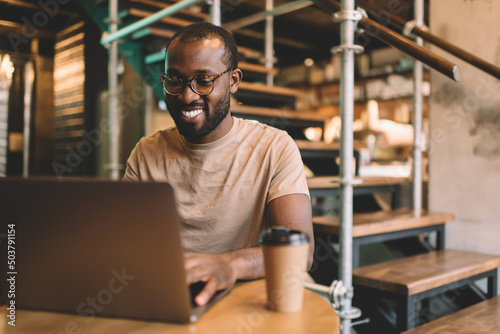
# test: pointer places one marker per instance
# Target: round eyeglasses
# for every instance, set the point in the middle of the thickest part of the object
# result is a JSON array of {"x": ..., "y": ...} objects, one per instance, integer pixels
[{"x": 201, "y": 84}]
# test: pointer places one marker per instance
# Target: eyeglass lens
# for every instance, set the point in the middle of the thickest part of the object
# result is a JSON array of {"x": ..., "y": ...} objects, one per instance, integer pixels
[{"x": 202, "y": 85}]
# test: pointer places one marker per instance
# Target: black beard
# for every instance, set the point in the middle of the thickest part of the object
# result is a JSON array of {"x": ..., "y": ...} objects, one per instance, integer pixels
[{"x": 212, "y": 118}]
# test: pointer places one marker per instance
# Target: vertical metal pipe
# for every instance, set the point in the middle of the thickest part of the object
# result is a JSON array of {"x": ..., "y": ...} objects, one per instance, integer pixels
[
  {"x": 417, "y": 116},
  {"x": 215, "y": 13},
  {"x": 269, "y": 42},
  {"x": 346, "y": 155},
  {"x": 29, "y": 77},
  {"x": 113, "y": 107}
]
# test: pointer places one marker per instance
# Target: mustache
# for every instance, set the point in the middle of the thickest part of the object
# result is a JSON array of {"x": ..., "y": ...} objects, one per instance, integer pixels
[{"x": 194, "y": 105}]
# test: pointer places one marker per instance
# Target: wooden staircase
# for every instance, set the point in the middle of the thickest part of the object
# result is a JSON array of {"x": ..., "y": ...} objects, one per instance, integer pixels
[
  {"x": 393, "y": 293},
  {"x": 413, "y": 280},
  {"x": 483, "y": 317}
]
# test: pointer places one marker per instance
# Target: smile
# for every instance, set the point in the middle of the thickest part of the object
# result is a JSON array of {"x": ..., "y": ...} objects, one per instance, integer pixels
[{"x": 191, "y": 114}]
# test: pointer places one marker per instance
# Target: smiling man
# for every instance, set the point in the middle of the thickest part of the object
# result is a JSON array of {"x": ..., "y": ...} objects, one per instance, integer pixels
[{"x": 233, "y": 178}]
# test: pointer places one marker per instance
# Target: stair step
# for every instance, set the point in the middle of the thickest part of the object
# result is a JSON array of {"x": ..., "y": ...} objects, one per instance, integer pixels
[
  {"x": 160, "y": 55},
  {"x": 161, "y": 5},
  {"x": 250, "y": 53},
  {"x": 154, "y": 32},
  {"x": 173, "y": 21},
  {"x": 274, "y": 90},
  {"x": 482, "y": 317},
  {"x": 365, "y": 224},
  {"x": 241, "y": 109},
  {"x": 412, "y": 275},
  {"x": 322, "y": 146},
  {"x": 333, "y": 182},
  {"x": 256, "y": 68}
]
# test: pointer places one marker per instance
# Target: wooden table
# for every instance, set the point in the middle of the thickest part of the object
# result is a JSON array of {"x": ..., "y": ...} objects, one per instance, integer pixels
[{"x": 243, "y": 310}]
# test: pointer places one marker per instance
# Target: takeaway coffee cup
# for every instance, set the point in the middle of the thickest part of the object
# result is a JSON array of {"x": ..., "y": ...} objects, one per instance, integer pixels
[{"x": 285, "y": 263}]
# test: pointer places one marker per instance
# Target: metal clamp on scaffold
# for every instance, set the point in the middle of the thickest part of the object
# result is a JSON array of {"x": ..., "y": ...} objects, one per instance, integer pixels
[
  {"x": 337, "y": 294},
  {"x": 105, "y": 34},
  {"x": 352, "y": 15},
  {"x": 420, "y": 146},
  {"x": 410, "y": 25}
]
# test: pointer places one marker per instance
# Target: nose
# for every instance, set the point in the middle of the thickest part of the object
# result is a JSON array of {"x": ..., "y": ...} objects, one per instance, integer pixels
[{"x": 188, "y": 95}]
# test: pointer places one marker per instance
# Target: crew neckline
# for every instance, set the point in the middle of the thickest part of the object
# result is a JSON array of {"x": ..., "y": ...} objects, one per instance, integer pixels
[{"x": 214, "y": 144}]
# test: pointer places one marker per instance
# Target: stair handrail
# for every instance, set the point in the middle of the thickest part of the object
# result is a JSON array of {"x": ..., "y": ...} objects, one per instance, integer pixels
[
  {"x": 422, "y": 31},
  {"x": 402, "y": 43},
  {"x": 146, "y": 21}
]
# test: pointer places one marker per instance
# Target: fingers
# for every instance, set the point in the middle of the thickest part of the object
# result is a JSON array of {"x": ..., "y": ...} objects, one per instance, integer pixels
[
  {"x": 207, "y": 293},
  {"x": 212, "y": 269}
]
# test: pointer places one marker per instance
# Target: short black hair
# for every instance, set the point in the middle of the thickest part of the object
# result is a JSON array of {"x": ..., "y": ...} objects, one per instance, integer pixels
[{"x": 205, "y": 30}]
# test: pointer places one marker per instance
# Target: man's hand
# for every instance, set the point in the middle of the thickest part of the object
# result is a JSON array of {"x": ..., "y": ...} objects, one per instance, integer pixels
[{"x": 213, "y": 269}]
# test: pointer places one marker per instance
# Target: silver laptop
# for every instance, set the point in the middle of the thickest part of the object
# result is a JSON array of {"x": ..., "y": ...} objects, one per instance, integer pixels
[{"x": 94, "y": 247}]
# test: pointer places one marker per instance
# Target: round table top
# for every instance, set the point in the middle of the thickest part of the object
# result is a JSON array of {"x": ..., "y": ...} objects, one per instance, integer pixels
[{"x": 243, "y": 310}]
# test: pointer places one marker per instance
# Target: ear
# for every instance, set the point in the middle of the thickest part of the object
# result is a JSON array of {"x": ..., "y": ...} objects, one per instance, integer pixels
[{"x": 235, "y": 79}]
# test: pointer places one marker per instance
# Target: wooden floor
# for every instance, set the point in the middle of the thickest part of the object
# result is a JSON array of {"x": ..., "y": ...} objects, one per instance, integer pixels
[
  {"x": 482, "y": 318},
  {"x": 415, "y": 274}
]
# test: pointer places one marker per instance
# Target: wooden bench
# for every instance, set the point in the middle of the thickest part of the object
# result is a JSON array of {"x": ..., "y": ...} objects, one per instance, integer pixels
[
  {"x": 385, "y": 226},
  {"x": 483, "y": 317},
  {"x": 410, "y": 280}
]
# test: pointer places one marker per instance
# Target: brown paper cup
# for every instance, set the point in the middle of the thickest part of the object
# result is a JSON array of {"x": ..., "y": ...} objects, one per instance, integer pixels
[{"x": 285, "y": 267}]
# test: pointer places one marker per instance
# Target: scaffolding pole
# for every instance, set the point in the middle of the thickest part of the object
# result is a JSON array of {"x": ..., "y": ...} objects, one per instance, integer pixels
[
  {"x": 113, "y": 106},
  {"x": 215, "y": 13},
  {"x": 347, "y": 19},
  {"x": 269, "y": 43},
  {"x": 418, "y": 70}
]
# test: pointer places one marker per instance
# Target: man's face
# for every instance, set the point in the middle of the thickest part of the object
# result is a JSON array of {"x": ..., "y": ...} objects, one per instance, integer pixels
[{"x": 200, "y": 119}]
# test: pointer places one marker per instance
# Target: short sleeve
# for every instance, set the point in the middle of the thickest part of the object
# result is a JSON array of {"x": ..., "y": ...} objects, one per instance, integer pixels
[
  {"x": 132, "y": 167},
  {"x": 288, "y": 169}
]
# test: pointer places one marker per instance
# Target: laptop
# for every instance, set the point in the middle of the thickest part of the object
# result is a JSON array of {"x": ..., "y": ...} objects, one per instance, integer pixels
[{"x": 94, "y": 247}]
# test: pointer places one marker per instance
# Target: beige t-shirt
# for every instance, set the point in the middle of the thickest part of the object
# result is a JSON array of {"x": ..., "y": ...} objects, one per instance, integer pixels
[{"x": 222, "y": 187}]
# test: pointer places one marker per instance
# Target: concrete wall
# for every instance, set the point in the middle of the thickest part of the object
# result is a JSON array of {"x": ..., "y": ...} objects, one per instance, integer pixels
[{"x": 464, "y": 171}]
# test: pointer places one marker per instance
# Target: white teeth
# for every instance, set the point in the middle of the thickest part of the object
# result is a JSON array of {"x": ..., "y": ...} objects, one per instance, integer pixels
[{"x": 191, "y": 114}]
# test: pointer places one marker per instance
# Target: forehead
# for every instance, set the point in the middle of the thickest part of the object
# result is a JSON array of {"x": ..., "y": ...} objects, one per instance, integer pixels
[{"x": 195, "y": 56}]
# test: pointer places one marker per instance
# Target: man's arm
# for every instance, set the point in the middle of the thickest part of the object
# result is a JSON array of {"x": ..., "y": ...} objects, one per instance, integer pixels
[
  {"x": 220, "y": 271},
  {"x": 293, "y": 211}
]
